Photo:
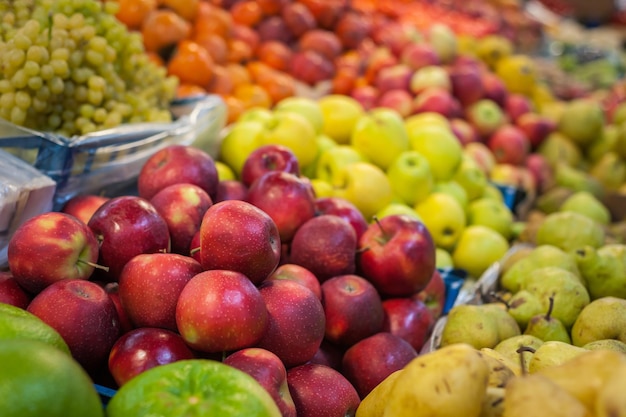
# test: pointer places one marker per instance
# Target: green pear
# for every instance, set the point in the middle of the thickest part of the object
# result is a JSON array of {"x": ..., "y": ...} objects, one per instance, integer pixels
[
  {"x": 604, "y": 270},
  {"x": 491, "y": 213},
  {"x": 557, "y": 148},
  {"x": 548, "y": 328},
  {"x": 585, "y": 203},
  {"x": 480, "y": 326},
  {"x": 582, "y": 121},
  {"x": 606, "y": 344},
  {"x": 540, "y": 256},
  {"x": 577, "y": 179},
  {"x": 605, "y": 143},
  {"x": 523, "y": 306},
  {"x": 604, "y": 318},
  {"x": 569, "y": 231},
  {"x": 553, "y": 353},
  {"x": 609, "y": 170},
  {"x": 509, "y": 349},
  {"x": 552, "y": 200}
]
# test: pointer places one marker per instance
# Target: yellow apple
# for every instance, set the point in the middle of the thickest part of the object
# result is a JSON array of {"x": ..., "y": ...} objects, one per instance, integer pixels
[
  {"x": 321, "y": 188},
  {"x": 444, "y": 217},
  {"x": 224, "y": 172},
  {"x": 365, "y": 185},
  {"x": 307, "y": 107},
  {"x": 239, "y": 142},
  {"x": 340, "y": 114},
  {"x": 323, "y": 142},
  {"x": 255, "y": 114},
  {"x": 427, "y": 118},
  {"x": 491, "y": 213},
  {"x": 440, "y": 146},
  {"x": 453, "y": 189},
  {"x": 443, "y": 258},
  {"x": 478, "y": 248},
  {"x": 493, "y": 192},
  {"x": 410, "y": 176},
  {"x": 471, "y": 177},
  {"x": 293, "y": 131},
  {"x": 398, "y": 208},
  {"x": 334, "y": 158}
]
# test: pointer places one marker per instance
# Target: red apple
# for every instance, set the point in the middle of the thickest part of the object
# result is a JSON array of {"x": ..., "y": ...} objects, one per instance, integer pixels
[
  {"x": 353, "y": 309},
  {"x": 368, "y": 362},
  {"x": 11, "y": 292},
  {"x": 182, "y": 206},
  {"x": 325, "y": 245},
  {"x": 268, "y": 158},
  {"x": 397, "y": 254},
  {"x": 83, "y": 206},
  {"x": 238, "y": 236},
  {"x": 418, "y": 55},
  {"x": 466, "y": 84},
  {"x": 494, "y": 88},
  {"x": 85, "y": 317},
  {"x": 409, "y": 319},
  {"x": 396, "y": 35},
  {"x": 536, "y": 127},
  {"x": 298, "y": 18},
  {"x": 541, "y": 171},
  {"x": 274, "y": 28},
  {"x": 367, "y": 95},
  {"x": 194, "y": 247},
  {"x": 221, "y": 310},
  {"x": 321, "y": 391},
  {"x": 231, "y": 190},
  {"x": 509, "y": 145},
  {"x": 352, "y": 28},
  {"x": 438, "y": 100},
  {"x": 486, "y": 116},
  {"x": 150, "y": 284},
  {"x": 324, "y": 42},
  {"x": 516, "y": 105},
  {"x": 326, "y": 12},
  {"x": 144, "y": 348},
  {"x": 51, "y": 247},
  {"x": 378, "y": 58},
  {"x": 127, "y": 226},
  {"x": 296, "y": 321},
  {"x": 298, "y": 274},
  {"x": 464, "y": 131},
  {"x": 311, "y": 67},
  {"x": 126, "y": 325},
  {"x": 269, "y": 371},
  {"x": 174, "y": 164},
  {"x": 399, "y": 100},
  {"x": 329, "y": 354},
  {"x": 434, "y": 295},
  {"x": 395, "y": 77},
  {"x": 344, "y": 209},
  {"x": 286, "y": 198}
]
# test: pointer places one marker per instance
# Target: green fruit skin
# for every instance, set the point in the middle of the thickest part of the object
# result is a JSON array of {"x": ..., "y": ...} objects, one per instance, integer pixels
[
  {"x": 604, "y": 270},
  {"x": 569, "y": 231}
]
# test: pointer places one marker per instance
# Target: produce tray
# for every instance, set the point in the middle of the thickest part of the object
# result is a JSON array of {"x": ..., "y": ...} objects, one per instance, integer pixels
[{"x": 101, "y": 161}]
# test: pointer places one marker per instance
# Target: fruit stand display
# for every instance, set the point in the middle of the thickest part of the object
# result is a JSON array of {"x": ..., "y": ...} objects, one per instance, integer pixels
[{"x": 306, "y": 208}]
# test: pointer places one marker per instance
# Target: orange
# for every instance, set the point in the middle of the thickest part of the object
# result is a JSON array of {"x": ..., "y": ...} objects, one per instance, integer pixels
[
  {"x": 133, "y": 12},
  {"x": 163, "y": 28},
  {"x": 187, "y": 9},
  {"x": 246, "y": 13},
  {"x": 192, "y": 64}
]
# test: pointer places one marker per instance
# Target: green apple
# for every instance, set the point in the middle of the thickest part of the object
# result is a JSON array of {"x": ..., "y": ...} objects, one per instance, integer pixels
[
  {"x": 334, "y": 158},
  {"x": 444, "y": 218},
  {"x": 239, "y": 142},
  {"x": 443, "y": 258},
  {"x": 493, "y": 192},
  {"x": 398, "y": 208},
  {"x": 410, "y": 177},
  {"x": 453, "y": 189},
  {"x": 340, "y": 114},
  {"x": 224, "y": 172},
  {"x": 365, "y": 185},
  {"x": 255, "y": 114},
  {"x": 427, "y": 118},
  {"x": 491, "y": 213},
  {"x": 380, "y": 135},
  {"x": 440, "y": 146},
  {"x": 478, "y": 248},
  {"x": 323, "y": 142},
  {"x": 471, "y": 177},
  {"x": 304, "y": 106},
  {"x": 321, "y": 188},
  {"x": 292, "y": 131},
  {"x": 582, "y": 121}
]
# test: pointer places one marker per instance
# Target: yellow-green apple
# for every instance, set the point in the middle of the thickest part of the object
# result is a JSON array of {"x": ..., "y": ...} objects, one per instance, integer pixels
[
  {"x": 298, "y": 18},
  {"x": 426, "y": 118},
  {"x": 440, "y": 147},
  {"x": 471, "y": 177},
  {"x": 380, "y": 136},
  {"x": 298, "y": 274},
  {"x": 353, "y": 309},
  {"x": 296, "y": 321},
  {"x": 182, "y": 206},
  {"x": 542, "y": 172},
  {"x": 321, "y": 391},
  {"x": 51, "y": 247},
  {"x": 149, "y": 287},
  {"x": 127, "y": 226},
  {"x": 516, "y": 105},
  {"x": 408, "y": 318},
  {"x": 85, "y": 317},
  {"x": 494, "y": 88},
  {"x": 321, "y": 188},
  {"x": 486, "y": 116},
  {"x": 240, "y": 140},
  {"x": 478, "y": 248},
  {"x": 395, "y": 77},
  {"x": 236, "y": 235},
  {"x": 293, "y": 131},
  {"x": 175, "y": 164},
  {"x": 418, "y": 55},
  {"x": 269, "y": 371},
  {"x": 322, "y": 41},
  {"x": 444, "y": 217},
  {"x": 453, "y": 189},
  {"x": 537, "y": 127},
  {"x": 311, "y": 67},
  {"x": 365, "y": 185},
  {"x": 509, "y": 145},
  {"x": 491, "y": 213},
  {"x": 340, "y": 115},
  {"x": 11, "y": 292},
  {"x": 443, "y": 258},
  {"x": 231, "y": 190},
  {"x": 444, "y": 41},
  {"x": 434, "y": 294},
  {"x": 368, "y": 362},
  {"x": 126, "y": 325},
  {"x": 399, "y": 100},
  {"x": 367, "y": 96},
  {"x": 438, "y": 100},
  {"x": 258, "y": 114},
  {"x": 397, "y": 255},
  {"x": 224, "y": 172},
  {"x": 221, "y": 310},
  {"x": 286, "y": 198},
  {"x": 144, "y": 348},
  {"x": 481, "y": 154},
  {"x": 325, "y": 245},
  {"x": 431, "y": 76},
  {"x": 304, "y": 106},
  {"x": 323, "y": 143},
  {"x": 353, "y": 28},
  {"x": 466, "y": 83},
  {"x": 267, "y": 158},
  {"x": 394, "y": 208},
  {"x": 411, "y": 177},
  {"x": 333, "y": 159},
  {"x": 83, "y": 206},
  {"x": 343, "y": 208}
]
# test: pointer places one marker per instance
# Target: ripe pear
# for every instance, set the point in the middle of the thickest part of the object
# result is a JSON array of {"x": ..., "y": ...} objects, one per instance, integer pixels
[
  {"x": 499, "y": 372},
  {"x": 585, "y": 203},
  {"x": 557, "y": 148},
  {"x": 553, "y": 353},
  {"x": 582, "y": 121},
  {"x": 493, "y": 403},
  {"x": 513, "y": 365},
  {"x": 547, "y": 328},
  {"x": 480, "y": 326},
  {"x": 577, "y": 179},
  {"x": 509, "y": 349},
  {"x": 552, "y": 200},
  {"x": 604, "y": 318},
  {"x": 609, "y": 170},
  {"x": 606, "y": 344},
  {"x": 448, "y": 382},
  {"x": 569, "y": 231},
  {"x": 604, "y": 270},
  {"x": 374, "y": 403},
  {"x": 603, "y": 144},
  {"x": 611, "y": 401}
]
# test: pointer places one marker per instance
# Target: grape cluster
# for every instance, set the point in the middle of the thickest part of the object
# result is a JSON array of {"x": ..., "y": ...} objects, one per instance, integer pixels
[{"x": 70, "y": 67}]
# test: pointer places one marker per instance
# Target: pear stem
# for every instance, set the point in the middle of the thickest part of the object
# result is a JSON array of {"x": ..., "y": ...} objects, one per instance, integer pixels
[
  {"x": 550, "y": 307},
  {"x": 521, "y": 351},
  {"x": 496, "y": 297},
  {"x": 94, "y": 265},
  {"x": 385, "y": 234}
]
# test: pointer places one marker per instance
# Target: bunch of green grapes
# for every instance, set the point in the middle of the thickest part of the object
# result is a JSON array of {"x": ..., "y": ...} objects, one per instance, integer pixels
[{"x": 70, "y": 67}]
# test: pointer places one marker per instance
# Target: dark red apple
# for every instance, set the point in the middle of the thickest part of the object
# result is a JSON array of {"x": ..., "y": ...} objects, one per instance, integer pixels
[
  {"x": 311, "y": 67},
  {"x": 494, "y": 88},
  {"x": 11, "y": 292},
  {"x": 83, "y": 206},
  {"x": 194, "y": 247},
  {"x": 267, "y": 158},
  {"x": 329, "y": 354},
  {"x": 434, "y": 295},
  {"x": 342, "y": 208},
  {"x": 409, "y": 319},
  {"x": 298, "y": 274},
  {"x": 542, "y": 172},
  {"x": 274, "y": 28},
  {"x": 324, "y": 42},
  {"x": 231, "y": 190},
  {"x": 509, "y": 145},
  {"x": 298, "y": 18},
  {"x": 466, "y": 84},
  {"x": 537, "y": 127}
]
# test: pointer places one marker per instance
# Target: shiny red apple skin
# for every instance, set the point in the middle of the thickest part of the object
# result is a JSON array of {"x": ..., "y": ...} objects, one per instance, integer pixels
[
  {"x": 11, "y": 292},
  {"x": 397, "y": 254},
  {"x": 509, "y": 145},
  {"x": 466, "y": 83},
  {"x": 51, "y": 247},
  {"x": 298, "y": 274},
  {"x": 83, "y": 206},
  {"x": 321, "y": 391},
  {"x": 238, "y": 236},
  {"x": 85, "y": 317},
  {"x": 175, "y": 164},
  {"x": 269, "y": 371},
  {"x": 368, "y": 362},
  {"x": 296, "y": 321},
  {"x": 353, "y": 309},
  {"x": 126, "y": 325},
  {"x": 144, "y": 348},
  {"x": 220, "y": 311},
  {"x": 267, "y": 158},
  {"x": 231, "y": 190},
  {"x": 409, "y": 319},
  {"x": 182, "y": 206},
  {"x": 434, "y": 294},
  {"x": 344, "y": 209},
  {"x": 150, "y": 284},
  {"x": 128, "y": 226}
]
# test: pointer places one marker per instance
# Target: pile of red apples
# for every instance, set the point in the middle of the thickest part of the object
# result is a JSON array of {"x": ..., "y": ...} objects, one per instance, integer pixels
[{"x": 300, "y": 292}]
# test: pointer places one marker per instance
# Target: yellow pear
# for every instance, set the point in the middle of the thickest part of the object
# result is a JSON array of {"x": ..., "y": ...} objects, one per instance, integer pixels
[
  {"x": 611, "y": 401},
  {"x": 553, "y": 353},
  {"x": 514, "y": 366},
  {"x": 493, "y": 403},
  {"x": 374, "y": 403},
  {"x": 499, "y": 372}
]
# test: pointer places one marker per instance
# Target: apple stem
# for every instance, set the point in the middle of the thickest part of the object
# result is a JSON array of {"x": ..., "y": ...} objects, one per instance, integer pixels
[
  {"x": 498, "y": 298},
  {"x": 363, "y": 249},
  {"x": 194, "y": 251},
  {"x": 521, "y": 351},
  {"x": 95, "y": 265},
  {"x": 550, "y": 307},
  {"x": 377, "y": 221}
]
